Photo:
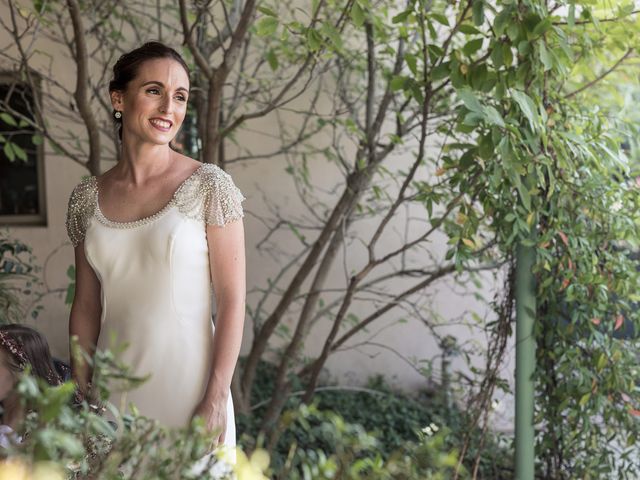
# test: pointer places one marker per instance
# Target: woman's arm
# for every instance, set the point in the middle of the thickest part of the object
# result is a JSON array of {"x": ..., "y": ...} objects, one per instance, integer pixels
[
  {"x": 228, "y": 275},
  {"x": 227, "y": 262},
  {"x": 84, "y": 320}
]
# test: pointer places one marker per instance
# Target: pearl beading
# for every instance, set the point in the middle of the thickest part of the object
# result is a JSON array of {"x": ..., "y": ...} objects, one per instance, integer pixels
[{"x": 208, "y": 195}]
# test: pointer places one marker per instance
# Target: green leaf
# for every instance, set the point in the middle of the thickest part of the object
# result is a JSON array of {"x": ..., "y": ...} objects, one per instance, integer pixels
[
  {"x": 412, "y": 62},
  {"x": 8, "y": 151},
  {"x": 497, "y": 55},
  {"x": 545, "y": 57},
  {"x": 571, "y": 18},
  {"x": 507, "y": 56},
  {"x": 602, "y": 361},
  {"x": 470, "y": 100},
  {"x": 524, "y": 194},
  {"x": 435, "y": 51},
  {"x": 397, "y": 83},
  {"x": 478, "y": 12},
  {"x": 438, "y": 17},
  {"x": 266, "y": 26},
  {"x": 296, "y": 232},
  {"x": 357, "y": 15},
  {"x": 71, "y": 292},
  {"x": 8, "y": 119},
  {"x": 314, "y": 39},
  {"x": 526, "y": 105},
  {"x": 19, "y": 151},
  {"x": 332, "y": 34},
  {"x": 542, "y": 27},
  {"x": 468, "y": 29},
  {"x": 584, "y": 399},
  {"x": 272, "y": 59},
  {"x": 401, "y": 17},
  {"x": 441, "y": 71},
  {"x": 36, "y": 139},
  {"x": 472, "y": 46},
  {"x": 267, "y": 11},
  {"x": 493, "y": 116}
]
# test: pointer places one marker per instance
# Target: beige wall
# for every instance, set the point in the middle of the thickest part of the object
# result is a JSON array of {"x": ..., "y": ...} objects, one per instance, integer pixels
[{"x": 395, "y": 344}]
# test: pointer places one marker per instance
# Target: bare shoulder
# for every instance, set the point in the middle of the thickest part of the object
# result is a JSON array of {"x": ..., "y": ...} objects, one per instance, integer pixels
[{"x": 183, "y": 164}]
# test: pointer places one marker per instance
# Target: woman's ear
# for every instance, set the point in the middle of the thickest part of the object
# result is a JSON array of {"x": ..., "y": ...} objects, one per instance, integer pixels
[{"x": 116, "y": 100}]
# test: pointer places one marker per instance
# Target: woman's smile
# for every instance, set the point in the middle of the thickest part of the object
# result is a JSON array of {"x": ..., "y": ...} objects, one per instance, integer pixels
[{"x": 161, "y": 124}]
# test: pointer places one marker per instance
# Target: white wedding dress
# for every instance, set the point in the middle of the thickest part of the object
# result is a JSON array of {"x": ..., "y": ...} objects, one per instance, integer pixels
[{"x": 156, "y": 290}]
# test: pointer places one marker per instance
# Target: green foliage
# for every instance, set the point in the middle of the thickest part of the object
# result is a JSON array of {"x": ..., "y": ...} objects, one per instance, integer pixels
[
  {"x": 81, "y": 443},
  {"x": 17, "y": 279},
  {"x": 544, "y": 167},
  {"x": 85, "y": 445},
  {"x": 325, "y": 446},
  {"x": 386, "y": 420}
]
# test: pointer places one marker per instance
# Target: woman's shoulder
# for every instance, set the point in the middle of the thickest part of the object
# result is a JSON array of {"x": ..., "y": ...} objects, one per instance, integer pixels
[
  {"x": 214, "y": 191},
  {"x": 83, "y": 193},
  {"x": 81, "y": 206}
]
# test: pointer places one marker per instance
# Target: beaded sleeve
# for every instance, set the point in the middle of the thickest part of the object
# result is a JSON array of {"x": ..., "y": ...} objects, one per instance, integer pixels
[
  {"x": 211, "y": 196},
  {"x": 223, "y": 200},
  {"x": 80, "y": 209}
]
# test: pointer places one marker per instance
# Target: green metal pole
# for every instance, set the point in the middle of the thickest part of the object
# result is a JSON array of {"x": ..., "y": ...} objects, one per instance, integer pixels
[{"x": 525, "y": 361}]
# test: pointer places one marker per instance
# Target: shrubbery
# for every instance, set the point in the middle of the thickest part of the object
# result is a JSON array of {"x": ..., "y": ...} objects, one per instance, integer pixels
[
  {"x": 388, "y": 424},
  {"x": 65, "y": 441}
]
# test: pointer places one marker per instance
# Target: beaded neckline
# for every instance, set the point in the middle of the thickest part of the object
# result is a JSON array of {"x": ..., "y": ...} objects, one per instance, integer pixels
[{"x": 144, "y": 220}]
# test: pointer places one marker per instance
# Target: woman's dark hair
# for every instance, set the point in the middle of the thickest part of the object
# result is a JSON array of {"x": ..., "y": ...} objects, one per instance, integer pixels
[
  {"x": 127, "y": 66},
  {"x": 33, "y": 348}
]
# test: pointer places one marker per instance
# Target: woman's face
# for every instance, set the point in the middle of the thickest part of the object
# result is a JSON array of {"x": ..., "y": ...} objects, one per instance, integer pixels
[
  {"x": 7, "y": 378},
  {"x": 154, "y": 103}
]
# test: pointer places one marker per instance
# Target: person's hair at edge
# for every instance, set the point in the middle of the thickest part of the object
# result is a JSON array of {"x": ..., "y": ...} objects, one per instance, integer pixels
[
  {"x": 127, "y": 66},
  {"x": 36, "y": 350}
]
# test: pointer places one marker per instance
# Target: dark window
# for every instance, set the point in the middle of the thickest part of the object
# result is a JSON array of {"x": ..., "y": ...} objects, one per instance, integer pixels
[
  {"x": 22, "y": 198},
  {"x": 187, "y": 141}
]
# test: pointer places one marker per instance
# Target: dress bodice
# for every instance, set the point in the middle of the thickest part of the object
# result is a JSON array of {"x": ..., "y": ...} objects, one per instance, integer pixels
[{"x": 208, "y": 194}]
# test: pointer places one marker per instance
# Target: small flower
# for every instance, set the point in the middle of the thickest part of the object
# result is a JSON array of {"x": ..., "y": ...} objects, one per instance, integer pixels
[
  {"x": 616, "y": 206},
  {"x": 251, "y": 468},
  {"x": 15, "y": 469}
]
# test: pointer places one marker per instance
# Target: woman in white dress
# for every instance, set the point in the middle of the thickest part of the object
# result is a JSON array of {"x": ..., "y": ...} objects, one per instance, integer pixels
[{"x": 153, "y": 237}]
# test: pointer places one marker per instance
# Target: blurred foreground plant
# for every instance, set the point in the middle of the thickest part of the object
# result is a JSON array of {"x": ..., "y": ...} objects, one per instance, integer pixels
[{"x": 62, "y": 440}]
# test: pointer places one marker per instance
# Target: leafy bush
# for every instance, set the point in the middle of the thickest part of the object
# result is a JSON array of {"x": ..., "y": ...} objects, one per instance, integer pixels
[
  {"x": 17, "y": 277},
  {"x": 83, "y": 444},
  {"x": 378, "y": 416},
  {"x": 61, "y": 440}
]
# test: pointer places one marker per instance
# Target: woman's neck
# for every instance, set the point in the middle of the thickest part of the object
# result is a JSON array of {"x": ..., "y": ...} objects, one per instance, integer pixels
[
  {"x": 140, "y": 161},
  {"x": 13, "y": 410}
]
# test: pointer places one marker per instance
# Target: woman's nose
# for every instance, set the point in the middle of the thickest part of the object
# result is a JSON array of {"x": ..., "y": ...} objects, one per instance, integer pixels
[{"x": 166, "y": 106}]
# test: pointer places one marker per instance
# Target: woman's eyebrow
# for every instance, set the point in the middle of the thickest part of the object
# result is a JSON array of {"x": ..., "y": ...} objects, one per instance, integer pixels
[{"x": 155, "y": 82}]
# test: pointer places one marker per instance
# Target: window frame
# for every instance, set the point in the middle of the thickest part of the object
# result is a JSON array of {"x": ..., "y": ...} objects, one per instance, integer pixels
[{"x": 39, "y": 219}]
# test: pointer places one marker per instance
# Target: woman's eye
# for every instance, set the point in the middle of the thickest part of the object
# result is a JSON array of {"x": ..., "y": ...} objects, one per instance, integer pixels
[
  {"x": 181, "y": 98},
  {"x": 152, "y": 90}
]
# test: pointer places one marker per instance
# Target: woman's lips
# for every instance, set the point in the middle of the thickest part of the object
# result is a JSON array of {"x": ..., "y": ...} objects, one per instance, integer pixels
[{"x": 162, "y": 125}]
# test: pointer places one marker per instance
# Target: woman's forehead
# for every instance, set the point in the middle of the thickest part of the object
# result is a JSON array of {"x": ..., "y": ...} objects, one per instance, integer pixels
[{"x": 166, "y": 71}]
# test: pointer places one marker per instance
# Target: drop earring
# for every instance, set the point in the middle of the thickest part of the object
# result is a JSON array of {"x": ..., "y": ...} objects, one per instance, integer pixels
[{"x": 117, "y": 115}]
